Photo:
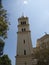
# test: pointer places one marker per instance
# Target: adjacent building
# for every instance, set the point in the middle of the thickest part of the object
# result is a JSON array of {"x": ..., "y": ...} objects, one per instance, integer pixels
[{"x": 43, "y": 42}]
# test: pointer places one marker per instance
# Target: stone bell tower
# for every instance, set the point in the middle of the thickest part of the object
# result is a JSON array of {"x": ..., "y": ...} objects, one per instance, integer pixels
[{"x": 24, "y": 44}]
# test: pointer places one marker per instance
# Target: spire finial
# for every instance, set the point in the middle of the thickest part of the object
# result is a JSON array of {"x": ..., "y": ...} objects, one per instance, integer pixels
[{"x": 22, "y": 14}]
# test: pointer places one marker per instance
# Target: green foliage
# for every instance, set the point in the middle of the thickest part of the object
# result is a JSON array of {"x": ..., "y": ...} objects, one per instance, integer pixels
[
  {"x": 4, "y": 24},
  {"x": 42, "y": 54},
  {"x": 4, "y": 60},
  {"x": 4, "y": 27},
  {"x": 1, "y": 46}
]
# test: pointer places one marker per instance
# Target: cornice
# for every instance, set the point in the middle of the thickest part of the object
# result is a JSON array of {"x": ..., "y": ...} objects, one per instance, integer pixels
[
  {"x": 23, "y": 25},
  {"x": 23, "y": 32},
  {"x": 43, "y": 37},
  {"x": 22, "y": 56}
]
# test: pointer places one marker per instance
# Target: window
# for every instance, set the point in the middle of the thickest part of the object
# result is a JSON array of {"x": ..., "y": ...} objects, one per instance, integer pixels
[
  {"x": 23, "y": 29},
  {"x": 24, "y": 41},
  {"x": 24, "y": 52},
  {"x": 21, "y": 22},
  {"x": 24, "y": 22}
]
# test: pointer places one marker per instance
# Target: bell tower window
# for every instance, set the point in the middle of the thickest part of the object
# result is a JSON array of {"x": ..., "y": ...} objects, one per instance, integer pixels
[
  {"x": 24, "y": 41},
  {"x": 23, "y": 22},
  {"x": 24, "y": 52},
  {"x": 23, "y": 29}
]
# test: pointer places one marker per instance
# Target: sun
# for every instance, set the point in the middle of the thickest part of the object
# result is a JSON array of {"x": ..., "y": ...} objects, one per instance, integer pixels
[{"x": 25, "y": 2}]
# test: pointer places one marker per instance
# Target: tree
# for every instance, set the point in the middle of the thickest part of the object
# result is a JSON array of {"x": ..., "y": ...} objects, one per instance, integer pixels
[
  {"x": 4, "y": 27},
  {"x": 1, "y": 46},
  {"x": 42, "y": 55},
  {"x": 4, "y": 24},
  {"x": 4, "y": 60}
]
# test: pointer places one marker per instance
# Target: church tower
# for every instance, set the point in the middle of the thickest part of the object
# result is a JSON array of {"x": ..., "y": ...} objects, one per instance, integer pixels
[{"x": 24, "y": 44}]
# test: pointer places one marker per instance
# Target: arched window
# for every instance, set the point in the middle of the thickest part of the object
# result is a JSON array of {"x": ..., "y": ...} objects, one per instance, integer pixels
[
  {"x": 23, "y": 22},
  {"x": 23, "y": 29},
  {"x": 24, "y": 52},
  {"x": 24, "y": 41}
]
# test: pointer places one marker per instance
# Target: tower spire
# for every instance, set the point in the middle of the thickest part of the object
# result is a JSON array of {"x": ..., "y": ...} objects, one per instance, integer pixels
[{"x": 22, "y": 14}]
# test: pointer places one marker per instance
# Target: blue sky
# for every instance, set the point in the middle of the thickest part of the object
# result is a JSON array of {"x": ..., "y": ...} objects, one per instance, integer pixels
[{"x": 38, "y": 13}]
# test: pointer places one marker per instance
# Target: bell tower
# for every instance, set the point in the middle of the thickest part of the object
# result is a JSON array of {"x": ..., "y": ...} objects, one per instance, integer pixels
[{"x": 24, "y": 44}]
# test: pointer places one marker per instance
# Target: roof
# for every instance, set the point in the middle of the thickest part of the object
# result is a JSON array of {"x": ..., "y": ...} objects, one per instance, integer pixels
[
  {"x": 22, "y": 17},
  {"x": 43, "y": 37}
]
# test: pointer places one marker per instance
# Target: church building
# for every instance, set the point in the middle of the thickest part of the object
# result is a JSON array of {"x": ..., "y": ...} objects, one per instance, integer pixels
[
  {"x": 24, "y": 43},
  {"x": 25, "y": 51}
]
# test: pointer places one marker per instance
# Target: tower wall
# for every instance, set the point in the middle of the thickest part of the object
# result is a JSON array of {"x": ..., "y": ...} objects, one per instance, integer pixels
[{"x": 24, "y": 44}]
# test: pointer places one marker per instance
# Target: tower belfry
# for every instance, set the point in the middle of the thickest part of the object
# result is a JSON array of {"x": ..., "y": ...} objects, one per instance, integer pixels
[{"x": 24, "y": 44}]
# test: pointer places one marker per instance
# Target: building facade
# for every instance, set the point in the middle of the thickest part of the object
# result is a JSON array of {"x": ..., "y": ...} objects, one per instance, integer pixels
[
  {"x": 25, "y": 51},
  {"x": 43, "y": 42},
  {"x": 24, "y": 43}
]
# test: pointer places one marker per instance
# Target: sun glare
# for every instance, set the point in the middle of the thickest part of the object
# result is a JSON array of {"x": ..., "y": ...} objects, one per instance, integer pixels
[{"x": 25, "y": 2}]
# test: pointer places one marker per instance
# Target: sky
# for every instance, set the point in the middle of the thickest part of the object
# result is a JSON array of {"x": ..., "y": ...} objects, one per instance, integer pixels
[{"x": 38, "y": 13}]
